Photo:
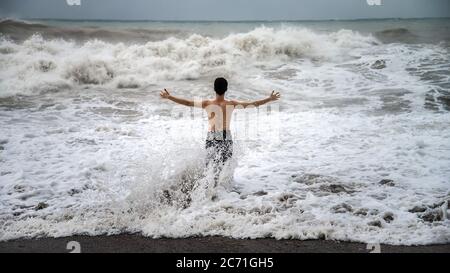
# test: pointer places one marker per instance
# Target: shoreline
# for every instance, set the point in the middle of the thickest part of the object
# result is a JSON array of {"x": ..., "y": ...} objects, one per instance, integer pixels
[{"x": 130, "y": 243}]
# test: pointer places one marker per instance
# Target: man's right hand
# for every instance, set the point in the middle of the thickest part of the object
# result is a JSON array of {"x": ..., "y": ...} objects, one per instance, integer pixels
[
  {"x": 274, "y": 96},
  {"x": 164, "y": 94}
]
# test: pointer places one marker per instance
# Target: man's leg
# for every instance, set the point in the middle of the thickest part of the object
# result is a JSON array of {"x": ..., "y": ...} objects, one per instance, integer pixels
[{"x": 218, "y": 153}]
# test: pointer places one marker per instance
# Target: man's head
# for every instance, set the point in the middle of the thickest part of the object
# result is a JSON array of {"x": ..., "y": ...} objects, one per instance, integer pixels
[{"x": 220, "y": 86}]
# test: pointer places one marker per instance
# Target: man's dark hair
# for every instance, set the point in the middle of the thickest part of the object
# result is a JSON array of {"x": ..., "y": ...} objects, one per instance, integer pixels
[{"x": 220, "y": 86}]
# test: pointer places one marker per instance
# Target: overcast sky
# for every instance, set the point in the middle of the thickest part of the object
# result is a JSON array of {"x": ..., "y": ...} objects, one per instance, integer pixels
[{"x": 223, "y": 9}]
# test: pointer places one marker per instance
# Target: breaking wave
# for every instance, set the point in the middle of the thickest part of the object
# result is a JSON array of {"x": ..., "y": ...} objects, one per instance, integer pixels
[{"x": 29, "y": 66}]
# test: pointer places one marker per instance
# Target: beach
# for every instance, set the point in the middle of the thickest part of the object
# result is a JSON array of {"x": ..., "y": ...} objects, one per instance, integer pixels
[
  {"x": 139, "y": 244},
  {"x": 356, "y": 149}
]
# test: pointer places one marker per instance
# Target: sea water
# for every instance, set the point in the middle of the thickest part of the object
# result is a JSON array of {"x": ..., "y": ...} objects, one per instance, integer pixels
[{"x": 359, "y": 146}]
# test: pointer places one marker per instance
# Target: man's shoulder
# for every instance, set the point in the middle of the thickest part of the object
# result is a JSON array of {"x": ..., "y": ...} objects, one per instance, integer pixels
[{"x": 214, "y": 102}]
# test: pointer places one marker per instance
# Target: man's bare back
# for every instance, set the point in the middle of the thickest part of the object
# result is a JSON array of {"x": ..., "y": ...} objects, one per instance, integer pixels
[{"x": 219, "y": 110}]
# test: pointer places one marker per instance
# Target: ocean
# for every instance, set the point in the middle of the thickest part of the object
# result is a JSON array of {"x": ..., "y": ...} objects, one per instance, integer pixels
[{"x": 357, "y": 149}]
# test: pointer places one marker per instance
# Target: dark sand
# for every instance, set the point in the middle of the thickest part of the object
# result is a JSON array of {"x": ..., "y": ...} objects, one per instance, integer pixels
[{"x": 137, "y": 243}]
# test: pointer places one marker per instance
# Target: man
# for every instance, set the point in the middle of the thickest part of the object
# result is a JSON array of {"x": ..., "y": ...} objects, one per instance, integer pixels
[{"x": 219, "y": 144}]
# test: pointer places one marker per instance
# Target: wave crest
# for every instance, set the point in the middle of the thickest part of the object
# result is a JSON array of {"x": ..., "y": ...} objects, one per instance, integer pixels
[
  {"x": 99, "y": 62},
  {"x": 90, "y": 72}
]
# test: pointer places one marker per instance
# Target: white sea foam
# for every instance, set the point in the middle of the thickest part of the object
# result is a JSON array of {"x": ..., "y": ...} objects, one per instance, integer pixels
[
  {"x": 95, "y": 151},
  {"x": 60, "y": 63}
]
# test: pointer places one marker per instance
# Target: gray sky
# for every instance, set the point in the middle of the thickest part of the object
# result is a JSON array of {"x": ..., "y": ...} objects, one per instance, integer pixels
[{"x": 223, "y": 9}]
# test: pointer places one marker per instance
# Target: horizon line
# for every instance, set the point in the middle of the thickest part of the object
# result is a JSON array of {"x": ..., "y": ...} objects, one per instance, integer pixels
[{"x": 220, "y": 21}]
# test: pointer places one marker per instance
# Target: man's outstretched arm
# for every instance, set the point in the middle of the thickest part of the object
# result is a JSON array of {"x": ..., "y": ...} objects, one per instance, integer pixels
[
  {"x": 166, "y": 95},
  {"x": 273, "y": 97}
]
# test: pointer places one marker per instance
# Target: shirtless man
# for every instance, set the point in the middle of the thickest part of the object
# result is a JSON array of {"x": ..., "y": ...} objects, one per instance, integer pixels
[{"x": 219, "y": 144}]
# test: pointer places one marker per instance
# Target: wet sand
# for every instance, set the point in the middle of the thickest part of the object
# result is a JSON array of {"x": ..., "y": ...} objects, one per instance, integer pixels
[{"x": 137, "y": 243}]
